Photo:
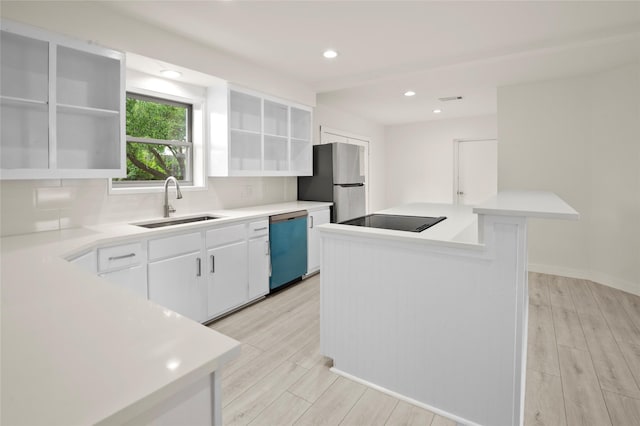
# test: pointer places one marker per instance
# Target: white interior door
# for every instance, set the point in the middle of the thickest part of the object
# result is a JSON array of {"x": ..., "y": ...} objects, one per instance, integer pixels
[
  {"x": 328, "y": 135},
  {"x": 476, "y": 166}
]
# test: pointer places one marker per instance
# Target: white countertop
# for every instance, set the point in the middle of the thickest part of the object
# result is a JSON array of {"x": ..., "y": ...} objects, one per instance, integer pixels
[
  {"x": 541, "y": 204},
  {"x": 78, "y": 350},
  {"x": 459, "y": 228}
]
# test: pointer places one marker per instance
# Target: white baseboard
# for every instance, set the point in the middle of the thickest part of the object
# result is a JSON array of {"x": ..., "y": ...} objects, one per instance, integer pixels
[
  {"x": 459, "y": 420},
  {"x": 595, "y": 276}
]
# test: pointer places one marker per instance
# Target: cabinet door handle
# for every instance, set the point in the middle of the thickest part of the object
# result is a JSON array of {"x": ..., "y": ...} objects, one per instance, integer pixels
[
  {"x": 124, "y": 256},
  {"x": 199, "y": 267},
  {"x": 267, "y": 249},
  {"x": 260, "y": 229},
  {"x": 213, "y": 264},
  {"x": 311, "y": 222}
]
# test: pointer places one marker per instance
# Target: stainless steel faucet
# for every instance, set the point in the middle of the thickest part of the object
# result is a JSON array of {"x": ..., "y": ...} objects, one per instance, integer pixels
[{"x": 167, "y": 207}]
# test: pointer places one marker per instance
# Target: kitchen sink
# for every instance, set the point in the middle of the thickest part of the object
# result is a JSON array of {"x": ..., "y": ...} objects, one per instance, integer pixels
[{"x": 176, "y": 221}]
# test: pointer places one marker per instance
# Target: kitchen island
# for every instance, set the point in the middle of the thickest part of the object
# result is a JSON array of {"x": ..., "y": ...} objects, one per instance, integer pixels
[{"x": 438, "y": 318}]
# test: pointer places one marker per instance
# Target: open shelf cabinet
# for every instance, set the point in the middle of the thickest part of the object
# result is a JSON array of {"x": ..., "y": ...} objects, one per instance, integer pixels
[
  {"x": 266, "y": 136},
  {"x": 61, "y": 105}
]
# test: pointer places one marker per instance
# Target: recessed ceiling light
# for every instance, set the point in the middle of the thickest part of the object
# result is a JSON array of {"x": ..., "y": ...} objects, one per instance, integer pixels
[
  {"x": 437, "y": 111},
  {"x": 330, "y": 54},
  {"x": 171, "y": 73},
  {"x": 409, "y": 93}
]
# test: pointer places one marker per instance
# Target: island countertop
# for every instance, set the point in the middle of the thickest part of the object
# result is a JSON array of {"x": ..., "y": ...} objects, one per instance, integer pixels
[{"x": 460, "y": 228}]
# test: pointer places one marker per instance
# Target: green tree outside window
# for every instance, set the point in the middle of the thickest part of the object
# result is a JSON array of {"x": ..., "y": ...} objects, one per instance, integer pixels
[{"x": 165, "y": 150}]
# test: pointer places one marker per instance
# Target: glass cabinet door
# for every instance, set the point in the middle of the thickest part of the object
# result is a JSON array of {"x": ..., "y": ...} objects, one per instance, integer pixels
[
  {"x": 276, "y": 136},
  {"x": 24, "y": 94},
  {"x": 301, "y": 144}
]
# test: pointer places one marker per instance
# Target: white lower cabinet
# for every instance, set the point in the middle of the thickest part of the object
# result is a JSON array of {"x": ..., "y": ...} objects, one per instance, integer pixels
[
  {"x": 133, "y": 279},
  {"x": 316, "y": 218},
  {"x": 227, "y": 285},
  {"x": 259, "y": 259},
  {"x": 175, "y": 273},
  {"x": 176, "y": 283},
  {"x": 226, "y": 277},
  {"x": 258, "y": 267},
  {"x": 124, "y": 265},
  {"x": 200, "y": 275}
]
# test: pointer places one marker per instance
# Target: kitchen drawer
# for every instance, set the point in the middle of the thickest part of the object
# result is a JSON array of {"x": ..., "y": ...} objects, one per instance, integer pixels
[
  {"x": 228, "y": 234},
  {"x": 116, "y": 257},
  {"x": 174, "y": 246},
  {"x": 259, "y": 228}
]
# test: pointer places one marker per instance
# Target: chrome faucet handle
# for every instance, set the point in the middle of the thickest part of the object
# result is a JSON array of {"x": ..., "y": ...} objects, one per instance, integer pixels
[{"x": 171, "y": 209}]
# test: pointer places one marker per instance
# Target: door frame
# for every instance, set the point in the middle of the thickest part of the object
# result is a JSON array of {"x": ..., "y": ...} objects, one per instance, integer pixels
[
  {"x": 456, "y": 164},
  {"x": 353, "y": 139}
]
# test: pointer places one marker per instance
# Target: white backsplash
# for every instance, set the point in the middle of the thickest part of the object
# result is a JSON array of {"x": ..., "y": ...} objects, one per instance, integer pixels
[{"x": 46, "y": 205}]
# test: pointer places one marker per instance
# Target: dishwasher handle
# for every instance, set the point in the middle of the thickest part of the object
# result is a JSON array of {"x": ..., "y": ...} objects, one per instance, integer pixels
[{"x": 288, "y": 216}]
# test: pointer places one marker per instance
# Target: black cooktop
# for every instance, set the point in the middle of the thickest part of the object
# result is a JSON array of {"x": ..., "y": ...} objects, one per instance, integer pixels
[{"x": 395, "y": 222}]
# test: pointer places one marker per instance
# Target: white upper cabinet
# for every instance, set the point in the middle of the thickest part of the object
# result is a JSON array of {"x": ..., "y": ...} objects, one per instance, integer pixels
[
  {"x": 263, "y": 136},
  {"x": 62, "y": 107}
]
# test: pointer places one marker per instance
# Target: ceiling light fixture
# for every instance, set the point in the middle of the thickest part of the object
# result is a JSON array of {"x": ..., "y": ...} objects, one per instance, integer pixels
[
  {"x": 330, "y": 54},
  {"x": 437, "y": 111},
  {"x": 171, "y": 73},
  {"x": 409, "y": 93}
]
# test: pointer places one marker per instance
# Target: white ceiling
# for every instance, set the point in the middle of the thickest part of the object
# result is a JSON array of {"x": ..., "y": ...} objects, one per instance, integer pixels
[{"x": 387, "y": 47}]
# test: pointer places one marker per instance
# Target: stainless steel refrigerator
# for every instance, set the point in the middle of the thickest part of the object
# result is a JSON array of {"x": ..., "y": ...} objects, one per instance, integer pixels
[{"x": 337, "y": 178}]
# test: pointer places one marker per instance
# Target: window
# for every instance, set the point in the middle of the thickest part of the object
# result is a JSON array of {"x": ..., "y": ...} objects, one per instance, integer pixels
[{"x": 159, "y": 141}]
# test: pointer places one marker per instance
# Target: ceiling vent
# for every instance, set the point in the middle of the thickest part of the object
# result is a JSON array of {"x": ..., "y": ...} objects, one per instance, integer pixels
[{"x": 451, "y": 98}]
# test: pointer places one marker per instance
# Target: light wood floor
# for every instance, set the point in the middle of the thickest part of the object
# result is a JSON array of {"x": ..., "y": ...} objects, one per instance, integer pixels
[{"x": 583, "y": 363}]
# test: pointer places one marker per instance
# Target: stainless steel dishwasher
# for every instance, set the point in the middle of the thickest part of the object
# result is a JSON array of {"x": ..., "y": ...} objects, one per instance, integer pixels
[{"x": 288, "y": 243}]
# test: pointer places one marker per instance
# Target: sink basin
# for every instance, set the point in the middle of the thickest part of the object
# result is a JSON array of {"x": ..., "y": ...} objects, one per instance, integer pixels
[{"x": 176, "y": 221}]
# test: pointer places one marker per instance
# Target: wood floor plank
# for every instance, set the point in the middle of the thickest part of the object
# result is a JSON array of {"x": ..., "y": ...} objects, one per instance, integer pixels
[
  {"x": 560, "y": 293},
  {"x": 583, "y": 299},
  {"x": 242, "y": 321},
  {"x": 313, "y": 383},
  {"x": 372, "y": 409},
  {"x": 442, "y": 421},
  {"x": 332, "y": 407},
  {"x": 285, "y": 326},
  {"x": 631, "y": 354},
  {"x": 617, "y": 318},
  {"x": 309, "y": 356},
  {"x": 405, "y": 414},
  {"x": 583, "y": 398},
  {"x": 241, "y": 380},
  {"x": 283, "y": 412},
  {"x": 263, "y": 393},
  {"x": 542, "y": 353},
  {"x": 624, "y": 411},
  {"x": 247, "y": 355},
  {"x": 296, "y": 294},
  {"x": 544, "y": 402},
  {"x": 538, "y": 289},
  {"x": 631, "y": 304},
  {"x": 608, "y": 360},
  {"x": 568, "y": 329}
]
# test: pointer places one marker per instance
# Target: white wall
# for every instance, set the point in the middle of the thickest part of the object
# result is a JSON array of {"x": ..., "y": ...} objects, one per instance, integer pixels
[
  {"x": 340, "y": 120},
  {"x": 579, "y": 137},
  {"x": 105, "y": 26},
  {"x": 419, "y": 157}
]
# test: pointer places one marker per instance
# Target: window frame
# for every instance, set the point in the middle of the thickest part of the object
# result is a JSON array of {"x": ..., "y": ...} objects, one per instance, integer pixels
[{"x": 188, "y": 181}]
